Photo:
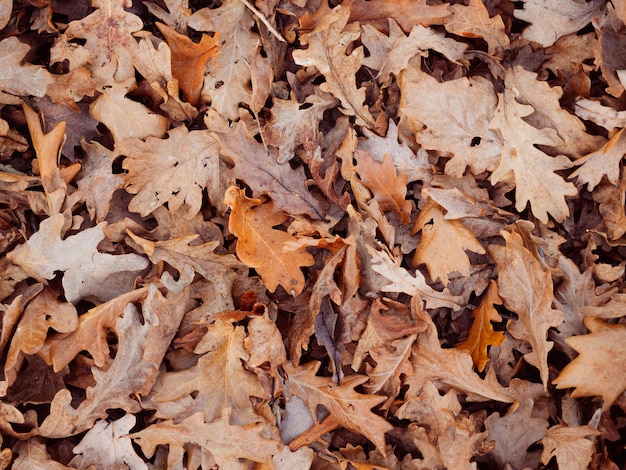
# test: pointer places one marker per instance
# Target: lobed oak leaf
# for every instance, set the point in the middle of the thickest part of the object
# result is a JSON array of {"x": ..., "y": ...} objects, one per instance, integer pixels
[
  {"x": 276, "y": 255},
  {"x": 549, "y": 22},
  {"x": 456, "y": 115},
  {"x": 593, "y": 371},
  {"x": 124, "y": 117},
  {"x": 228, "y": 81},
  {"x": 437, "y": 232},
  {"x": 108, "y": 445},
  {"x": 392, "y": 361},
  {"x": 526, "y": 288},
  {"x": 327, "y": 44},
  {"x": 70, "y": 88},
  {"x": 402, "y": 281},
  {"x": 189, "y": 60},
  {"x": 603, "y": 162},
  {"x": 227, "y": 443},
  {"x": 350, "y": 409},
  {"x": 217, "y": 381},
  {"x": 473, "y": 21},
  {"x": 257, "y": 167},
  {"x": 521, "y": 161},
  {"x": 481, "y": 333},
  {"x": 390, "y": 54},
  {"x": 608, "y": 57},
  {"x": 570, "y": 446},
  {"x": 85, "y": 268},
  {"x": 108, "y": 35},
  {"x": 388, "y": 187},
  {"x": 18, "y": 79},
  {"x": 604, "y": 116},
  {"x": 173, "y": 170},
  {"x": 32, "y": 454},
  {"x": 142, "y": 344}
]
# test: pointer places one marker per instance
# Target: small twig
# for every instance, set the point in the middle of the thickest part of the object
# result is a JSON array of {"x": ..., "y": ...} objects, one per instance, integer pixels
[{"x": 264, "y": 20}]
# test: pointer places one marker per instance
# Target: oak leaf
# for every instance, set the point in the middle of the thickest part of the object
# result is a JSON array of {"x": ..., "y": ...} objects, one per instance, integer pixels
[
  {"x": 593, "y": 371},
  {"x": 570, "y": 446},
  {"x": 388, "y": 187},
  {"x": 604, "y": 116},
  {"x": 108, "y": 445},
  {"x": 327, "y": 44},
  {"x": 352, "y": 410},
  {"x": 473, "y": 21},
  {"x": 216, "y": 382},
  {"x": 521, "y": 161},
  {"x": 456, "y": 114},
  {"x": 437, "y": 231},
  {"x": 32, "y": 454},
  {"x": 603, "y": 162},
  {"x": 141, "y": 348},
  {"x": 481, "y": 333},
  {"x": 408, "y": 13},
  {"x": 276, "y": 255},
  {"x": 257, "y": 167},
  {"x": 17, "y": 79},
  {"x": 549, "y": 22},
  {"x": 86, "y": 270},
  {"x": 174, "y": 170},
  {"x": 526, "y": 288},
  {"x": 189, "y": 60},
  {"x": 227, "y": 442}
]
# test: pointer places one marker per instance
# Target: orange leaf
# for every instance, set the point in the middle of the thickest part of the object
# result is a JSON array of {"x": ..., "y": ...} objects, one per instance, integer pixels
[
  {"x": 481, "y": 333},
  {"x": 189, "y": 60},
  {"x": 276, "y": 255}
]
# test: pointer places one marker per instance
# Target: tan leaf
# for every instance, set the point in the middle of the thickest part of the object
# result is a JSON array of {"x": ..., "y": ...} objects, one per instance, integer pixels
[
  {"x": 70, "y": 88},
  {"x": 327, "y": 52},
  {"x": 549, "y": 22},
  {"x": 32, "y": 454},
  {"x": 456, "y": 115},
  {"x": 124, "y": 117},
  {"x": 522, "y": 161},
  {"x": 526, "y": 289},
  {"x": 604, "y": 116},
  {"x": 108, "y": 445},
  {"x": 352, "y": 410},
  {"x": 227, "y": 442},
  {"x": 603, "y": 162},
  {"x": 473, "y": 21},
  {"x": 388, "y": 187},
  {"x": 265, "y": 343},
  {"x": 276, "y": 255},
  {"x": 17, "y": 79},
  {"x": 174, "y": 170},
  {"x": 437, "y": 231},
  {"x": 481, "y": 333},
  {"x": 86, "y": 270},
  {"x": 592, "y": 372},
  {"x": 189, "y": 60},
  {"x": 142, "y": 346},
  {"x": 570, "y": 446}
]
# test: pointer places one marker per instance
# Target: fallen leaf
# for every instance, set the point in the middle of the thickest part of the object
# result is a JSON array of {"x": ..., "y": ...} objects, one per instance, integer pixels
[
  {"x": 408, "y": 13},
  {"x": 276, "y": 255},
  {"x": 526, "y": 289},
  {"x": 570, "y": 445},
  {"x": 603, "y": 162},
  {"x": 20, "y": 79}
]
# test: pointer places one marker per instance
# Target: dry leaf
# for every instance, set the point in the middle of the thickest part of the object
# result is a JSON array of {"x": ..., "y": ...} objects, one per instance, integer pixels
[
  {"x": 570, "y": 446},
  {"x": 20, "y": 79}
]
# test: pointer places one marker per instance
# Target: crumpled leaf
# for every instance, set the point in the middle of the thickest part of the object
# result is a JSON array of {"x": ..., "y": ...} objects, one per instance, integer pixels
[
  {"x": 349, "y": 408},
  {"x": 276, "y": 255},
  {"x": 603, "y": 162},
  {"x": 327, "y": 44},
  {"x": 408, "y": 13},
  {"x": 20, "y": 79},
  {"x": 592, "y": 372},
  {"x": 526, "y": 288},
  {"x": 86, "y": 270}
]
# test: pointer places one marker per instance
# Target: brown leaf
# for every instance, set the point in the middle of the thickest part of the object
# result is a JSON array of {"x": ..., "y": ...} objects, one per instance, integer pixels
[
  {"x": 189, "y": 60},
  {"x": 276, "y": 255},
  {"x": 481, "y": 333},
  {"x": 570, "y": 446},
  {"x": 527, "y": 290},
  {"x": 349, "y": 408},
  {"x": 408, "y": 13},
  {"x": 20, "y": 79}
]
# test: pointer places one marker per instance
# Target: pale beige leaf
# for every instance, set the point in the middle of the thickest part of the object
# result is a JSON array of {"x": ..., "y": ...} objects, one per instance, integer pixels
[
  {"x": 604, "y": 116},
  {"x": 20, "y": 79},
  {"x": 526, "y": 288},
  {"x": 33, "y": 455},
  {"x": 473, "y": 21},
  {"x": 603, "y": 162},
  {"x": 570, "y": 446}
]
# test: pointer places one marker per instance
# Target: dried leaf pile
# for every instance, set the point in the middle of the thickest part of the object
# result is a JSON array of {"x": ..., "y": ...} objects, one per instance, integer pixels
[{"x": 290, "y": 234}]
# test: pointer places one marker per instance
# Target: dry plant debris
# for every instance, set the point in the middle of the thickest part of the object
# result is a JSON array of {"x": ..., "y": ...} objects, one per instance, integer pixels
[{"x": 327, "y": 234}]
